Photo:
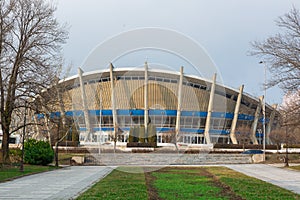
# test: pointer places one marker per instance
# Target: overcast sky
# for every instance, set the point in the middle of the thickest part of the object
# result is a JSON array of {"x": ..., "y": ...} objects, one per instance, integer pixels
[{"x": 224, "y": 28}]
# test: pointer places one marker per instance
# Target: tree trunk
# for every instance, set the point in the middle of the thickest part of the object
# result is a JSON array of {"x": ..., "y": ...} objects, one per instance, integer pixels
[
  {"x": 5, "y": 148},
  {"x": 56, "y": 154}
]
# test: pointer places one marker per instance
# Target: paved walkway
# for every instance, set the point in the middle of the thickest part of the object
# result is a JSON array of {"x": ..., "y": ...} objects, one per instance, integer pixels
[
  {"x": 64, "y": 183},
  {"x": 285, "y": 178}
]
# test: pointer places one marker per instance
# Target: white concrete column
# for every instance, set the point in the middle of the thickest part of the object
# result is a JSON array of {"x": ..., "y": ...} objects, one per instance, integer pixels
[
  {"x": 236, "y": 115},
  {"x": 255, "y": 121},
  {"x": 85, "y": 106},
  {"x": 269, "y": 125},
  {"x": 113, "y": 103},
  {"x": 210, "y": 109},
  {"x": 146, "y": 116},
  {"x": 177, "y": 127}
]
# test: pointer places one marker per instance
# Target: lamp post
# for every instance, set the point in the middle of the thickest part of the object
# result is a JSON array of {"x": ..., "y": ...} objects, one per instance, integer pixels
[
  {"x": 286, "y": 163},
  {"x": 23, "y": 139},
  {"x": 264, "y": 110}
]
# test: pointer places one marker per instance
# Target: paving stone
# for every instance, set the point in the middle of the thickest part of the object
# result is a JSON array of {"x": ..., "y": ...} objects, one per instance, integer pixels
[
  {"x": 285, "y": 178},
  {"x": 64, "y": 183}
]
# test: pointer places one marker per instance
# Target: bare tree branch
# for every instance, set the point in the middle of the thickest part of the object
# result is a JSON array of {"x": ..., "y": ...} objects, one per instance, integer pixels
[{"x": 281, "y": 52}]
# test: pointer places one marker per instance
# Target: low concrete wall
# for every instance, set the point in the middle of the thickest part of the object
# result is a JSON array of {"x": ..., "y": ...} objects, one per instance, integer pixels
[
  {"x": 257, "y": 158},
  {"x": 166, "y": 159},
  {"x": 78, "y": 159}
]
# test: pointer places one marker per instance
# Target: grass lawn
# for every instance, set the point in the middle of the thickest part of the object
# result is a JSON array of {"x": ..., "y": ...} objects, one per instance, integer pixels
[
  {"x": 295, "y": 167},
  {"x": 184, "y": 183},
  {"x": 188, "y": 183},
  {"x": 250, "y": 188},
  {"x": 119, "y": 185},
  {"x": 14, "y": 171}
]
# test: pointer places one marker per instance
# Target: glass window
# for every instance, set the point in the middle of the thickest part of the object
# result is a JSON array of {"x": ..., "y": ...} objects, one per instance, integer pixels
[
  {"x": 182, "y": 121},
  {"x": 121, "y": 120},
  {"x": 172, "y": 121},
  {"x": 196, "y": 122},
  {"x": 228, "y": 123},
  {"x": 127, "y": 120},
  {"x": 157, "y": 120},
  {"x": 81, "y": 121},
  {"x": 93, "y": 120},
  {"x": 215, "y": 123},
  {"x": 202, "y": 122},
  {"x": 165, "y": 121},
  {"x": 188, "y": 122}
]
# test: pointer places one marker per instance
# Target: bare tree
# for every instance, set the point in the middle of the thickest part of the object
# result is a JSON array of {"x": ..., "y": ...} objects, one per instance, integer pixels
[
  {"x": 278, "y": 136},
  {"x": 281, "y": 52},
  {"x": 169, "y": 137},
  {"x": 243, "y": 135},
  {"x": 288, "y": 129},
  {"x": 290, "y": 109},
  {"x": 30, "y": 42},
  {"x": 57, "y": 124}
]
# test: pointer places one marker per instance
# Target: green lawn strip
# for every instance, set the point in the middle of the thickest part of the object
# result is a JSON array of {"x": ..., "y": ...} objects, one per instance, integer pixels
[
  {"x": 185, "y": 184},
  {"x": 249, "y": 187},
  {"x": 119, "y": 185},
  {"x": 295, "y": 167},
  {"x": 11, "y": 172}
]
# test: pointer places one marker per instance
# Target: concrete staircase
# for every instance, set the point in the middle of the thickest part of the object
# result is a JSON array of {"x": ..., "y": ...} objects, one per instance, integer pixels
[{"x": 117, "y": 159}]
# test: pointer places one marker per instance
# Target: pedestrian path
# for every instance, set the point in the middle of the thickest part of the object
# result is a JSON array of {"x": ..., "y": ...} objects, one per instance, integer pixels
[
  {"x": 64, "y": 183},
  {"x": 285, "y": 178}
]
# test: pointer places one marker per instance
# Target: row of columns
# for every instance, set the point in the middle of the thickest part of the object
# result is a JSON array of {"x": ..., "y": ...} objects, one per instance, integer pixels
[{"x": 179, "y": 108}]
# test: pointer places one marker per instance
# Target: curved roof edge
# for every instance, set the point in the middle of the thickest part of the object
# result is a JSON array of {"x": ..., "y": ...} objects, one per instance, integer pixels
[{"x": 162, "y": 71}]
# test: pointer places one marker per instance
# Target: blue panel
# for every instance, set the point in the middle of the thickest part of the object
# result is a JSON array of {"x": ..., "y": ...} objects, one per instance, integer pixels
[
  {"x": 186, "y": 113},
  {"x": 107, "y": 112},
  {"x": 103, "y": 129},
  {"x": 171, "y": 112},
  {"x": 76, "y": 113},
  {"x": 163, "y": 112},
  {"x": 229, "y": 115},
  {"x": 194, "y": 113},
  {"x": 204, "y": 114},
  {"x": 200, "y": 130},
  {"x": 54, "y": 114},
  {"x": 82, "y": 129},
  {"x": 40, "y": 116},
  {"x": 69, "y": 113},
  {"x": 192, "y": 130},
  {"x": 94, "y": 112},
  {"x": 123, "y": 112},
  {"x": 218, "y": 114},
  {"x": 261, "y": 120},
  {"x": 125, "y": 128},
  {"x": 137, "y": 112},
  {"x": 219, "y": 132},
  {"x": 259, "y": 135},
  {"x": 200, "y": 114},
  {"x": 164, "y": 129},
  {"x": 245, "y": 117}
]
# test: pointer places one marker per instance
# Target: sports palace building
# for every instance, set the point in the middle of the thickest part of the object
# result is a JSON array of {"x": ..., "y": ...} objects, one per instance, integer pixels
[{"x": 108, "y": 103}]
